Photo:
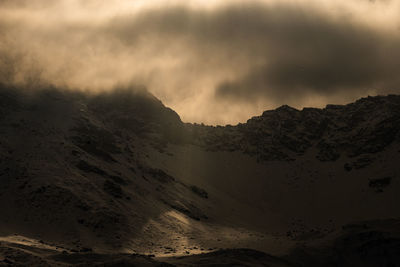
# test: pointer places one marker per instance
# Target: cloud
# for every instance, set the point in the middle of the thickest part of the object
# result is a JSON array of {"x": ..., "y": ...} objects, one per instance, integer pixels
[
  {"x": 211, "y": 61},
  {"x": 318, "y": 56}
]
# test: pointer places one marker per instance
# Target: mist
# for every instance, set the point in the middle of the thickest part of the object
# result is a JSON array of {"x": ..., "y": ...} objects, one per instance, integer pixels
[{"x": 215, "y": 62}]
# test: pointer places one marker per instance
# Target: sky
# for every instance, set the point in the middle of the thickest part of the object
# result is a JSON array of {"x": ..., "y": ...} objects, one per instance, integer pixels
[{"x": 213, "y": 62}]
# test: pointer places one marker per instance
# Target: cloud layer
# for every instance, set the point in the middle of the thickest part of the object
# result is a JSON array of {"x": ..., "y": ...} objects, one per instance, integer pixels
[{"x": 219, "y": 62}]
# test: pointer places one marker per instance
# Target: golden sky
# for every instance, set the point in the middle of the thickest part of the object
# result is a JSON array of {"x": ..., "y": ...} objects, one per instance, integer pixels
[{"x": 213, "y": 61}]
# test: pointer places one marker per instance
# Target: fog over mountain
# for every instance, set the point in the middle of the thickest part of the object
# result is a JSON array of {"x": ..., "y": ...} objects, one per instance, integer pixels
[
  {"x": 199, "y": 133},
  {"x": 215, "y": 62}
]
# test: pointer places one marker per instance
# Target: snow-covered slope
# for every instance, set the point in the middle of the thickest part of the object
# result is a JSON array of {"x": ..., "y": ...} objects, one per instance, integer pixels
[{"x": 120, "y": 172}]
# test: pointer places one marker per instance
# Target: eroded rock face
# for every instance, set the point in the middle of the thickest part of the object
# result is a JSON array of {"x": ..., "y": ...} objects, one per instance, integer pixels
[{"x": 365, "y": 127}]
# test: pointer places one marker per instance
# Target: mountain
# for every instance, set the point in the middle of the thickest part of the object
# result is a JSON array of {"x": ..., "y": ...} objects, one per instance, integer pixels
[
  {"x": 109, "y": 178},
  {"x": 364, "y": 127}
]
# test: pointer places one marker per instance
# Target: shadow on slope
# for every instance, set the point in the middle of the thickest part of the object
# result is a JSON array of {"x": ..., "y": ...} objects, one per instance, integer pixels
[
  {"x": 72, "y": 169},
  {"x": 79, "y": 170}
]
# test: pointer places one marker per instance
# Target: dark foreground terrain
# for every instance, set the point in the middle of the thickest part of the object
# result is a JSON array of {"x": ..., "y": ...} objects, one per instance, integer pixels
[
  {"x": 118, "y": 179},
  {"x": 366, "y": 244}
]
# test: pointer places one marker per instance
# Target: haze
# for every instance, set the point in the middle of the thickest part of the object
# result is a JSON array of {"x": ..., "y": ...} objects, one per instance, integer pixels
[{"x": 216, "y": 62}]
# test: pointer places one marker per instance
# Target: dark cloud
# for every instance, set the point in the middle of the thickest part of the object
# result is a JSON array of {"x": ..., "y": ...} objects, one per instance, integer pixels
[
  {"x": 317, "y": 55},
  {"x": 280, "y": 51}
]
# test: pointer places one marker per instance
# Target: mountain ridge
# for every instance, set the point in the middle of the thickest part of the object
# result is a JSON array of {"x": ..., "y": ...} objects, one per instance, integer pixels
[
  {"x": 121, "y": 173},
  {"x": 310, "y": 124}
]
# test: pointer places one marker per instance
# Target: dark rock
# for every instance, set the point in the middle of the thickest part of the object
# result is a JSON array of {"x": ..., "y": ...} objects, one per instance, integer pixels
[
  {"x": 160, "y": 175},
  {"x": 84, "y": 166},
  {"x": 199, "y": 191},
  {"x": 95, "y": 141},
  {"x": 113, "y": 189},
  {"x": 380, "y": 183}
]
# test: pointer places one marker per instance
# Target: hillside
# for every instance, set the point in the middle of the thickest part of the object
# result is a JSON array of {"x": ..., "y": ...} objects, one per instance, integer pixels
[
  {"x": 365, "y": 127},
  {"x": 118, "y": 172}
]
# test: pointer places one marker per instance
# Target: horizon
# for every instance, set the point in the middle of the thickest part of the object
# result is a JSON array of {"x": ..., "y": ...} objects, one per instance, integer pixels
[
  {"x": 213, "y": 62},
  {"x": 27, "y": 92}
]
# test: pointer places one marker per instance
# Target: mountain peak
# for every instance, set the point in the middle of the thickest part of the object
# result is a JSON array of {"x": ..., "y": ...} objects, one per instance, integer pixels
[{"x": 286, "y": 108}]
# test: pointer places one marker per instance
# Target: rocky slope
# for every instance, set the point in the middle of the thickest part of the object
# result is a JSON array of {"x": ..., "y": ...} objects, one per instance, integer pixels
[
  {"x": 120, "y": 173},
  {"x": 365, "y": 127},
  {"x": 72, "y": 168}
]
